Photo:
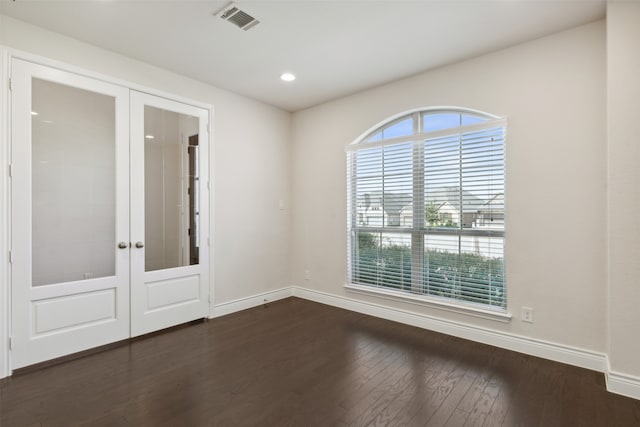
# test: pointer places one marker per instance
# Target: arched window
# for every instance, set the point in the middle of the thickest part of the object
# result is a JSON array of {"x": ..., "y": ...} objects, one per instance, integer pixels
[{"x": 426, "y": 207}]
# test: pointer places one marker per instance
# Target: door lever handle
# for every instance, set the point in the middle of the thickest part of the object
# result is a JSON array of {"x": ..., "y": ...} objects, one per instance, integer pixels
[{"x": 139, "y": 245}]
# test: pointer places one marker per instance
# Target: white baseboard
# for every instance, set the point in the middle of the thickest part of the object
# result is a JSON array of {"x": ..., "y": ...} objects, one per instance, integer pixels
[
  {"x": 548, "y": 350},
  {"x": 626, "y": 385},
  {"x": 249, "y": 302}
]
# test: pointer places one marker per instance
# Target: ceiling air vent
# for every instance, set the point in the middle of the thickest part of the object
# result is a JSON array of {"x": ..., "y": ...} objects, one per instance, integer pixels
[{"x": 240, "y": 18}]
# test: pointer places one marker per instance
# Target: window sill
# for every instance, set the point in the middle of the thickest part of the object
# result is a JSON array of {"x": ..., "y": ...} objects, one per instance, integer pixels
[{"x": 433, "y": 302}]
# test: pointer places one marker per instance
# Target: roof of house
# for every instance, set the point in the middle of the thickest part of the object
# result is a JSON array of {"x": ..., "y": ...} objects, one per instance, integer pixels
[
  {"x": 451, "y": 196},
  {"x": 448, "y": 195}
]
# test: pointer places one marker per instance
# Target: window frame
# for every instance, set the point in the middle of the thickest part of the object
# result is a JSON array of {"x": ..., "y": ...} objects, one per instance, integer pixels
[{"x": 420, "y": 228}]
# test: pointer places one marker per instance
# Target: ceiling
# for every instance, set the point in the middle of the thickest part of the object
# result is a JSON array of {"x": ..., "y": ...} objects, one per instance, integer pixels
[{"x": 334, "y": 47}]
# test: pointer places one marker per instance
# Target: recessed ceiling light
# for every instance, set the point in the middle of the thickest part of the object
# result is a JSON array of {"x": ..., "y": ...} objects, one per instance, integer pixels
[
  {"x": 149, "y": 136},
  {"x": 287, "y": 77},
  {"x": 34, "y": 113}
]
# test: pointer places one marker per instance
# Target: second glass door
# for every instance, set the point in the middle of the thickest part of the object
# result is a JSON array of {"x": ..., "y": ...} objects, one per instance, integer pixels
[{"x": 169, "y": 261}]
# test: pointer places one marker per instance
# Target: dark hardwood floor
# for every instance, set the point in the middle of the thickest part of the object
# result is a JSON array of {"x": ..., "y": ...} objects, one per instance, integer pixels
[{"x": 299, "y": 363}]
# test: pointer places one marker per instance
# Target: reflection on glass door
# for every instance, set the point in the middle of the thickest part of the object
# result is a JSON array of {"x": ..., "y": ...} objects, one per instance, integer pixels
[
  {"x": 73, "y": 183},
  {"x": 170, "y": 188},
  {"x": 194, "y": 180}
]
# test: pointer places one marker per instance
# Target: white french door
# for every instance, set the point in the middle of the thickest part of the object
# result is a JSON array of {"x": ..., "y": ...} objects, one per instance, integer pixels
[
  {"x": 106, "y": 207},
  {"x": 69, "y": 210},
  {"x": 169, "y": 213}
]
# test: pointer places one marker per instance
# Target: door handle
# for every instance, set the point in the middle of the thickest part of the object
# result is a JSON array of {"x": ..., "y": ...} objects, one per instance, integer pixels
[
  {"x": 139, "y": 245},
  {"x": 123, "y": 245}
]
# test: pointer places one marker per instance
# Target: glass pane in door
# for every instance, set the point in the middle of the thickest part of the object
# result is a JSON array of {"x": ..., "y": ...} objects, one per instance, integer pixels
[
  {"x": 171, "y": 182},
  {"x": 73, "y": 183}
]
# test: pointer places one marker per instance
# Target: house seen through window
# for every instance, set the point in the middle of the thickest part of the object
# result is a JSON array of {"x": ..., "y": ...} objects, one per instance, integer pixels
[{"x": 426, "y": 207}]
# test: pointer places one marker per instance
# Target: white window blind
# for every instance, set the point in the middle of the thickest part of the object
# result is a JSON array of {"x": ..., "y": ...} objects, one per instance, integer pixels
[{"x": 426, "y": 207}]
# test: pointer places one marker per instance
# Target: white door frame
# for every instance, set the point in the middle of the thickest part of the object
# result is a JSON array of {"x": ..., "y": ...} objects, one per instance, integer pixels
[
  {"x": 5, "y": 204},
  {"x": 4, "y": 224}
]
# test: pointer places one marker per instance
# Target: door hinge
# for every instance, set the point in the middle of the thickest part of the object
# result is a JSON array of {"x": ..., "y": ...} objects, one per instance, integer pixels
[
  {"x": 208, "y": 186},
  {"x": 10, "y": 83},
  {"x": 10, "y": 170},
  {"x": 10, "y": 257},
  {"x": 208, "y": 241},
  {"x": 10, "y": 343},
  {"x": 209, "y": 298}
]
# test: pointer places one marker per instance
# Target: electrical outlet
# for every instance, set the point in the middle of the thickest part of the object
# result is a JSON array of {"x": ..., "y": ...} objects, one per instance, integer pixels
[
  {"x": 307, "y": 275},
  {"x": 527, "y": 314}
]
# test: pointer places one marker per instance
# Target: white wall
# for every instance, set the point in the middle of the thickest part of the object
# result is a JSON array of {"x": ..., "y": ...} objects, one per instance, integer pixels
[
  {"x": 623, "y": 90},
  {"x": 251, "y": 161},
  {"x": 552, "y": 93}
]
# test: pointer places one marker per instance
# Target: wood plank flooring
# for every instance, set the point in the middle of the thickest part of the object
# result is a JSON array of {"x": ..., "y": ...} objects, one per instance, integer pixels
[{"x": 299, "y": 363}]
